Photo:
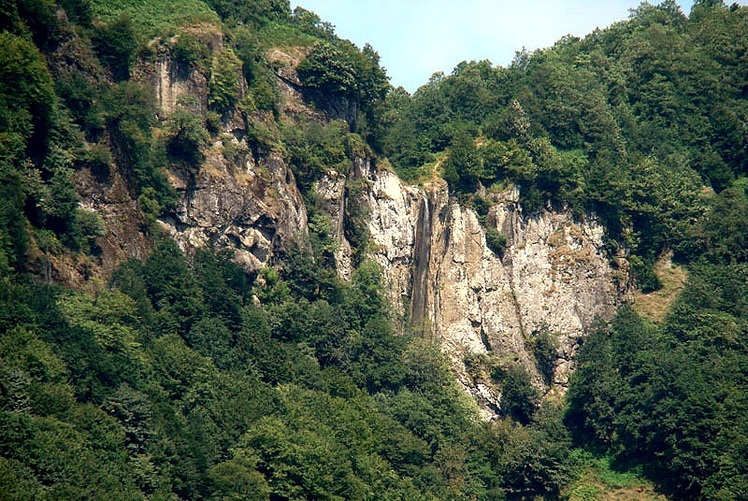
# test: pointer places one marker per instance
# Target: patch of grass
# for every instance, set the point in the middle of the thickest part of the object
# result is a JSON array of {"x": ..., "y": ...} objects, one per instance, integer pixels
[
  {"x": 599, "y": 481},
  {"x": 654, "y": 305},
  {"x": 613, "y": 479},
  {"x": 275, "y": 34},
  {"x": 429, "y": 173},
  {"x": 154, "y": 17}
]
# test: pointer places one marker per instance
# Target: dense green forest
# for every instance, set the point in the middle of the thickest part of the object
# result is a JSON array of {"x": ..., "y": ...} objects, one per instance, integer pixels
[{"x": 185, "y": 378}]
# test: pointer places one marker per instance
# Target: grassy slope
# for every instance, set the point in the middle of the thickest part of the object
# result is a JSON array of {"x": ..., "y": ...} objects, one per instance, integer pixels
[
  {"x": 654, "y": 305},
  {"x": 598, "y": 481},
  {"x": 152, "y": 17}
]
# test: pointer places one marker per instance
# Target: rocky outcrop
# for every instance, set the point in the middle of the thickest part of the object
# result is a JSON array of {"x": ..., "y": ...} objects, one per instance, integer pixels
[
  {"x": 393, "y": 223},
  {"x": 106, "y": 194},
  {"x": 237, "y": 198},
  {"x": 331, "y": 193},
  {"x": 552, "y": 278},
  {"x": 251, "y": 207},
  {"x": 171, "y": 79}
]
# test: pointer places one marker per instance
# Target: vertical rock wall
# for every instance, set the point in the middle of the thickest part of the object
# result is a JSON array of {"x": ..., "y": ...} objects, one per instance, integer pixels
[
  {"x": 553, "y": 277},
  {"x": 242, "y": 200}
]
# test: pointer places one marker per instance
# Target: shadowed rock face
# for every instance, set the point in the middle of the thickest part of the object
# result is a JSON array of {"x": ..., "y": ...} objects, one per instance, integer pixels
[{"x": 421, "y": 263}]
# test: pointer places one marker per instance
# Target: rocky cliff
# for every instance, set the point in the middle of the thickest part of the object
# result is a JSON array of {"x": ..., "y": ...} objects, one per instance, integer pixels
[
  {"x": 485, "y": 310},
  {"x": 552, "y": 280}
]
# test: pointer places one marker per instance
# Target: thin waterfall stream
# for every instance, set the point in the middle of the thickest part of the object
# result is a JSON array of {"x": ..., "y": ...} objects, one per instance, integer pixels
[{"x": 421, "y": 260}]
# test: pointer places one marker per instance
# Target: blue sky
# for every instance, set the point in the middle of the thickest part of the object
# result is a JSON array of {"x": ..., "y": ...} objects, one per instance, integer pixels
[{"x": 416, "y": 38}]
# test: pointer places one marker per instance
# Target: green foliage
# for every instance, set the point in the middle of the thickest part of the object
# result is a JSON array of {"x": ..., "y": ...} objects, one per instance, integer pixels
[
  {"x": 327, "y": 68},
  {"x": 519, "y": 398},
  {"x": 356, "y": 223},
  {"x": 646, "y": 394},
  {"x": 173, "y": 290},
  {"x": 643, "y": 274},
  {"x": 314, "y": 149},
  {"x": 38, "y": 153},
  {"x": 99, "y": 160},
  {"x": 78, "y": 11},
  {"x": 26, "y": 91},
  {"x": 149, "y": 19},
  {"x": 190, "y": 52},
  {"x": 464, "y": 161},
  {"x": 544, "y": 347},
  {"x": 343, "y": 78},
  {"x": 496, "y": 241},
  {"x": 260, "y": 78},
  {"x": 224, "y": 284},
  {"x": 545, "y": 466},
  {"x": 115, "y": 44},
  {"x": 186, "y": 136},
  {"x": 39, "y": 19},
  {"x": 279, "y": 34},
  {"x": 81, "y": 94},
  {"x": 130, "y": 118},
  {"x": 600, "y": 475},
  {"x": 88, "y": 227},
  {"x": 225, "y": 81},
  {"x": 13, "y": 236},
  {"x": 723, "y": 228},
  {"x": 258, "y": 12},
  {"x": 311, "y": 24}
]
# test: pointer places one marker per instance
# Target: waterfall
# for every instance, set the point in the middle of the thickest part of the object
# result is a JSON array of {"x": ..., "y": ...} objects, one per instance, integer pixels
[{"x": 421, "y": 261}]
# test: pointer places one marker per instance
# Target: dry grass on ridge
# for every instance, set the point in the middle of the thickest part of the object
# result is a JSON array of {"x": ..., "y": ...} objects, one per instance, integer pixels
[{"x": 654, "y": 305}]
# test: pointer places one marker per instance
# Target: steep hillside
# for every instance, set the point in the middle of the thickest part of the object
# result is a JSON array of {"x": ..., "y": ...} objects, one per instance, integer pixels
[
  {"x": 238, "y": 191},
  {"x": 235, "y": 263}
]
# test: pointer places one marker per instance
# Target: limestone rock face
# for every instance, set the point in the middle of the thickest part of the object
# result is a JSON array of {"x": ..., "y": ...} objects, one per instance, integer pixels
[
  {"x": 553, "y": 277},
  {"x": 252, "y": 208},
  {"x": 331, "y": 192},
  {"x": 393, "y": 225},
  {"x": 172, "y": 80}
]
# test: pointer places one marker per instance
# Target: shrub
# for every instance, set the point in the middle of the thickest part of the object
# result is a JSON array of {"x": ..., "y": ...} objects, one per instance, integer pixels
[
  {"x": 186, "y": 136},
  {"x": 644, "y": 275},
  {"x": 328, "y": 69},
  {"x": 115, "y": 44},
  {"x": 98, "y": 159},
  {"x": 496, "y": 241},
  {"x": 519, "y": 398},
  {"x": 149, "y": 206},
  {"x": 225, "y": 81},
  {"x": 544, "y": 347},
  {"x": 88, "y": 226},
  {"x": 190, "y": 52}
]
